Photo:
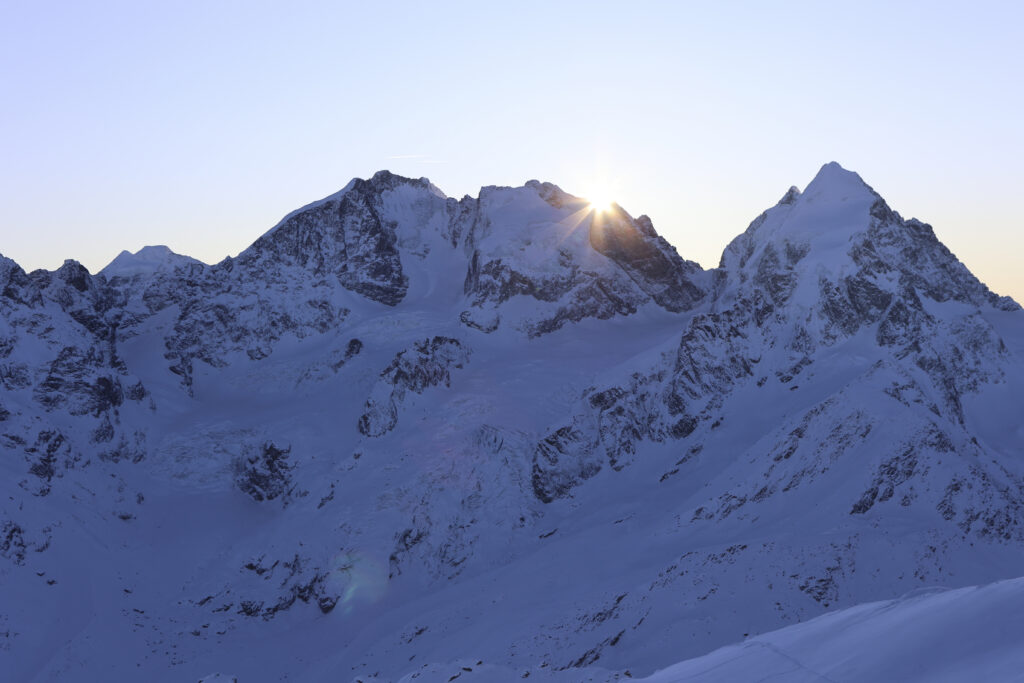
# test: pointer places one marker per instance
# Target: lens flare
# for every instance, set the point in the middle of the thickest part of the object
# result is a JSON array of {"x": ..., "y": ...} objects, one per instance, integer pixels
[
  {"x": 358, "y": 578},
  {"x": 600, "y": 202}
]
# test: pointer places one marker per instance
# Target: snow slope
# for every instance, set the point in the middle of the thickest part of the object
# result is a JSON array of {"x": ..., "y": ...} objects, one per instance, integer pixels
[
  {"x": 929, "y": 635},
  {"x": 404, "y": 429}
]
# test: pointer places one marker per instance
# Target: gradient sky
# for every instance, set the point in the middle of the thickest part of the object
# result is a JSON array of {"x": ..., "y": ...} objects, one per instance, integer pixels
[{"x": 200, "y": 124}]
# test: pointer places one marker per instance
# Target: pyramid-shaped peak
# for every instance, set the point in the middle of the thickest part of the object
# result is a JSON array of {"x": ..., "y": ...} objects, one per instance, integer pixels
[
  {"x": 834, "y": 170},
  {"x": 839, "y": 228},
  {"x": 834, "y": 180},
  {"x": 836, "y": 204}
]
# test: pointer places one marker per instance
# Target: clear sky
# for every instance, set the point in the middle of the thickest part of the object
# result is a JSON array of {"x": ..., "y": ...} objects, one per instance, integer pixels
[{"x": 200, "y": 124}]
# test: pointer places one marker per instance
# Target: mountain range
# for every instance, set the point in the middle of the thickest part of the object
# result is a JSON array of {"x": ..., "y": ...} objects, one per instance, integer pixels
[{"x": 405, "y": 436}]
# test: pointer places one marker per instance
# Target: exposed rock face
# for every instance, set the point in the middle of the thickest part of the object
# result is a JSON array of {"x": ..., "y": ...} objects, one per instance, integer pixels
[
  {"x": 449, "y": 411},
  {"x": 428, "y": 363},
  {"x": 65, "y": 384},
  {"x": 216, "y": 332},
  {"x": 786, "y": 296},
  {"x": 575, "y": 293},
  {"x": 647, "y": 258},
  {"x": 583, "y": 264},
  {"x": 265, "y": 474},
  {"x": 345, "y": 236}
]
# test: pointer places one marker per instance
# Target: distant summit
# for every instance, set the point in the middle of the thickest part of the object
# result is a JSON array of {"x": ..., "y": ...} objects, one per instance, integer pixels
[{"x": 146, "y": 261}]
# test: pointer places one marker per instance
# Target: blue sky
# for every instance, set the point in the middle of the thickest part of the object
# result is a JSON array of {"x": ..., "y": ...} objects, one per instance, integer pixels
[{"x": 199, "y": 125}]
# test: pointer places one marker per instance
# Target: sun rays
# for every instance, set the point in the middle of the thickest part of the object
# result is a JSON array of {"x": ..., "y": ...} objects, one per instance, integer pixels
[
  {"x": 600, "y": 199},
  {"x": 600, "y": 204}
]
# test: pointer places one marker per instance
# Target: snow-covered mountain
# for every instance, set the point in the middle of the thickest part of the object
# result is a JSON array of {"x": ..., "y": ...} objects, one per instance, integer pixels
[
  {"x": 145, "y": 262},
  {"x": 403, "y": 431}
]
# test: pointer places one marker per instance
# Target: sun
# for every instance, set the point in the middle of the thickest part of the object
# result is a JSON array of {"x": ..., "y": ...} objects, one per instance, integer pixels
[{"x": 600, "y": 202}]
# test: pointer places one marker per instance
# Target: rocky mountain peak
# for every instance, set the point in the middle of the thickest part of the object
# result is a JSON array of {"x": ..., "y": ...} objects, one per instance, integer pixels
[
  {"x": 75, "y": 274},
  {"x": 840, "y": 230},
  {"x": 832, "y": 178},
  {"x": 836, "y": 205},
  {"x": 385, "y": 180}
]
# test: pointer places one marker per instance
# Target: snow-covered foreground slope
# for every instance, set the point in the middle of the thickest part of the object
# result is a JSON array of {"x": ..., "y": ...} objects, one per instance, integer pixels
[
  {"x": 970, "y": 634},
  {"x": 929, "y": 635},
  {"x": 402, "y": 429}
]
